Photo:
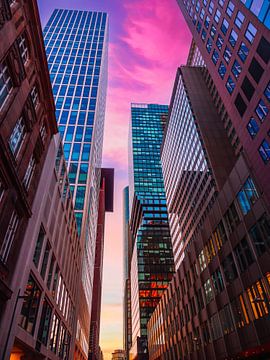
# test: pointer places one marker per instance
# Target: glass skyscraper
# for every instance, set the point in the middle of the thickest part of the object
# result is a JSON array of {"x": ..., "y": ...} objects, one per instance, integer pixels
[
  {"x": 76, "y": 45},
  {"x": 152, "y": 264}
]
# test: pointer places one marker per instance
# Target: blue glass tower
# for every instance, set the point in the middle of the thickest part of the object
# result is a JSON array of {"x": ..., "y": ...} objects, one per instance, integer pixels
[
  {"x": 77, "y": 45},
  {"x": 152, "y": 264}
]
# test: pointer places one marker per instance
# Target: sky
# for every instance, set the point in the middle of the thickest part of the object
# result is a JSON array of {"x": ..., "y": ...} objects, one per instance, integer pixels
[{"x": 148, "y": 40}]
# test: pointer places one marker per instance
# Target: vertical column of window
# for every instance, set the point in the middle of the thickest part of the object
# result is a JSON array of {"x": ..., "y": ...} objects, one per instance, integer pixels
[{"x": 9, "y": 237}]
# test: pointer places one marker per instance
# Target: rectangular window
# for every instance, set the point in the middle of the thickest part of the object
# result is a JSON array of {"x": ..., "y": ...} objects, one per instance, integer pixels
[
  {"x": 229, "y": 269},
  {"x": 267, "y": 92},
  {"x": 17, "y": 136},
  {"x": 247, "y": 196},
  {"x": 211, "y": 7},
  {"x": 239, "y": 20},
  {"x": 243, "y": 255},
  {"x": 260, "y": 235},
  {"x": 230, "y": 85},
  {"x": 262, "y": 110},
  {"x": 215, "y": 326},
  {"x": 50, "y": 274},
  {"x": 250, "y": 32},
  {"x": 44, "y": 324},
  {"x": 202, "y": 261},
  {"x": 248, "y": 88},
  {"x": 218, "y": 281},
  {"x": 236, "y": 69},
  {"x": 213, "y": 31},
  {"x": 240, "y": 104},
  {"x": 240, "y": 312},
  {"x": 243, "y": 52},
  {"x": 233, "y": 38},
  {"x": 29, "y": 172},
  {"x": 263, "y": 48},
  {"x": 224, "y": 26},
  {"x": 30, "y": 306},
  {"x": 45, "y": 261},
  {"x": 35, "y": 97},
  {"x": 2, "y": 189},
  {"x": 5, "y": 84},
  {"x": 252, "y": 127},
  {"x": 230, "y": 8},
  {"x": 217, "y": 16},
  {"x": 227, "y": 54},
  {"x": 219, "y": 42},
  {"x": 54, "y": 335},
  {"x": 208, "y": 291},
  {"x": 256, "y": 295},
  {"x": 207, "y": 22},
  {"x": 209, "y": 45},
  {"x": 255, "y": 70},
  {"x": 222, "y": 70},
  {"x": 264, "y": 151},
  {"x": 226, "y": 320},
  {"x": 23, "y": 48},
  {"x": 215, "y": 56},
  {"x": 9, "y": 237},
  {"x": 39, "y": 245}
]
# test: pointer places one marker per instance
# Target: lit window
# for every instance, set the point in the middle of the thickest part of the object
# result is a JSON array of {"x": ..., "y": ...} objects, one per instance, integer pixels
[
  {"x": 224, "y": 26},
  {"x": 208, "y": 290},
  {"x": 222, "y": 70},
  {"x": 252, "y": 127},
  {"x": 29, "y": 172},
  {"x": 247, "y": 196},
  {"x": 23, "y": 49},
  {"x": 233, "y": 38},
  {"x": 215, "y": 56},
  {"x": 202, "y": 261},
  {"x": 240, "y": 18},
  {"x": 264, "y": 151},
  {"x": 243, "y": 52},
  {"x": 227, "y": 54},
  {"x": 217, "y": 16},
  {"x": 5, "y": 84},
  {"x": 262, "y": 110},
  {"x": 230, "y": 85},
  {"x": 17, "y": 136},
  {"x": 34, "y": 96},
  {"x": 9, "y": 237},
  {"x": 230, "y": 9},
  {"x": 250, "y": 32},
  {"x": 236, "y": 69},
  {"x": 267, "y": 92}
]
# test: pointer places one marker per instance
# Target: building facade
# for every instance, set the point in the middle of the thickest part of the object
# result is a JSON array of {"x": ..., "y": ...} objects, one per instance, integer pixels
[
  {"x": 118, "y": 355},
  {"x": 77, "y": 45},
  {"x": 152, "y": 264},
  {"x": 234, "y": 40},
  {"x": 105, "y": 205},
  {"x": 27, "y": 124}
]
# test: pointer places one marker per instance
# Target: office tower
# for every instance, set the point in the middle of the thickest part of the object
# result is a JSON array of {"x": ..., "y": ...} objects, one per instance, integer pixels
[
  {"x": 118, "y": 355},
  {"x": 127, "y": 329},
  {"x": 152, "y": 264},
  {"x": 105, "y": 205},
  {"x": 27, "y": 124},
  {"x": 234, "y": 40},
  {"x": 217, "y": 304},
  {"x": 76, "y": 45}
]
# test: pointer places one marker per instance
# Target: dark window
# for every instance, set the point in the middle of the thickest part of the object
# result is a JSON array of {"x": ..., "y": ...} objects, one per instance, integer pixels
[
  {"x": 267, "y": 92},
  {"x": 243, "y": 255},
  {"x": 231, "y": 218},
  {"x": 255, "y": 70},
  {"x": 218, "y": 281},
  {"x": 260, "y": 235},
  {"x": 38, "y": 248},
  {"x": 44, "y": 324},
  {"x": 263, "y": 50},
  {"x": 253, "y": 127},
  {"x": 226, "y": 320},
  {"x": 199, "y": 300},
  {"x": 248, "y": 88},
  {"x": 229, "y": 268},
  {"x": 45, "y": 260},
  {"x": 240, "y": 104},
  {"x": 30, "y": 306},
  {"x": 205, "y": 333},
  {"x": 49, "y": 280}
]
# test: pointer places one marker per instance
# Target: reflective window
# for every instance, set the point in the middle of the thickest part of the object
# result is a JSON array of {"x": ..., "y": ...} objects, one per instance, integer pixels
[
  {"x": 211, "y": 7},
  {"x": 229, "y": 269},
  {"x": 262, "y": 110},
  {"x": 227, "y": 54},
  {"x": 215, "y": 56},
  {"x": 230, "y": 8},
  {"x": 222, "y": 70},
  {"x": 267, "y": 92},
  {"x": 250, "y": 32},
  {"x": 236, "y": 69},
  {"x": 230, "y": 85},
  {"x": 29, "y": 172},
  {"x": 243, "y": 255},
  {"x": 39, "y": 245},
  {"x": 213, "y": 31},
  {"x": 217, "y": 16},
  {"x": 34, "y": 96},
  {"x": 23, "y": 48},
  {"x": 209, "y": 294},
  {"x": 253, "y": 127},
  {"x": 9, "y": 237},
  {"x": 247, "y": 196},
  {"x": 44, "y": 324},
  {"x": 207, "y": 22},
  {"x": 5, "y": 84},
  {"x": 239, "y": 20},
  {"x": 260, "y": 235},
  {"x": 243, "y": 52},
  {"x": 209, "y": 45},
  {"x": 224, "y": 26},
  {"x": 17, "y": 136},
  {"x": 233, "y": 38},
  {"x": 264, "y": 151},
  {"x": 219, "y": 42}
]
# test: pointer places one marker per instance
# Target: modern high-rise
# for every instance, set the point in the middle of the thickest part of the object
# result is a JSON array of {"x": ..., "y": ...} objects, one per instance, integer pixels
[
  {"x": 152, "y": 264},
  {"x": 233, "y": 38},
  {"x": 77, "y": 46}
]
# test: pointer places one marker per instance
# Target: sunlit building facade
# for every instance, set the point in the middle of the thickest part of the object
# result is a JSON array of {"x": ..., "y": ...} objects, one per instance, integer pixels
[
  {"x": 152, "y": 264},
  {"x": 76, "y": 45}
]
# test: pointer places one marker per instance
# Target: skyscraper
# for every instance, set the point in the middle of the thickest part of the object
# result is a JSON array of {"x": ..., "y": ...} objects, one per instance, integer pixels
[
  {"x": 76, "y": 45},
  {"x": 234, "y": 40},
  {"x": 152, "y": 264}
]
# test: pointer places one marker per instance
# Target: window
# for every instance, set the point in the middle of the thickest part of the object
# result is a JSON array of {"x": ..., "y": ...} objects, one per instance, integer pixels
[
  {"x": 209, "y": 294},
  {"x": 221, "y": 2},
  {"x": 209, "y": 45},
  {"x": 240, "y": 104},
  {"x": 218, "y": 281},
  {"x": 250, "y": 32},
  {"x": 248, "y": 88},
  {"x": 203, "y": 35},
  {"x": 9, "y": 237},
  {"x": 243, "y": 52},
  {"x": 29, "y": 172},
  {"x": 42, "y": 132},
  {"x": 236, "y": 69},
  {"x": 222, "y": 70},
  {"x": 2, "y": 189},
  {"x": 224, "y": 26},
  {"x": 45, "y": 261},
  {"x": 240, "y": 312},
  {"x": 229, "y": 268},
  {"x": 231, "y": 218},
  {"x": 211, "y": 7},
  {"x": 44, "y": 324},
  {"x": 215, "y": 326},
  {"x": 17, "y": 136},
  {"x": 199, "y": 300},
  {"x": 267, "y": 92},
  {"x": 215, "y": 56},
  {"x": 239, "y": 20},
  {"x": 30, "y": 306},
  {"x": 39, "y": 245},
  {"x": 256, "y": 295},
  {"x": 263, "y": 50},
  {"x": 34, "y": 96},
  {"x": 5, "y": 84},
  {"x": 255, "y": 70},
  {"x": 220, "y": 42},
  {"x": 217, "y": 16},
  {"x": 252, "y": 127},
  {"x": 226, "y": 320},
  {"x": 213, "y": 31},
  {"x": 23, "y": 48},
  {"x": 233, "y": 38},
  {"x": 264, "y": 151},
  {"x": 227, "y": 54},
  {"x": 207, "y": 22},
  {"x": 12, "y": 2},
  {"x": 260, "y": 235},
  {"x": 247, "y": 196},
  {"x": 243, "y": 255},
  {"x": 262, "y": 110},
  {"x": 54, "y": 333},
  {"x": 202, "y": 261},
  {"x": 230, "y": 9},
  {"x": 230, "y": 85}
]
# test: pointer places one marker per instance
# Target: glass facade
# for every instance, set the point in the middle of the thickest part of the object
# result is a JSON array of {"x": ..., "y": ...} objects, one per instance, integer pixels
[
  {"x": 76, "y": 46},
  {"x": 261, "y": 9},
  {"x": 152, "y": 264}
]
